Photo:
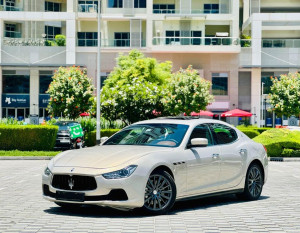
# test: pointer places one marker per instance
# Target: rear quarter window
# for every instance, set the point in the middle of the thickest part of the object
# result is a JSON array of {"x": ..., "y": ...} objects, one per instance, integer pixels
[{"x": 223, "y": 134}]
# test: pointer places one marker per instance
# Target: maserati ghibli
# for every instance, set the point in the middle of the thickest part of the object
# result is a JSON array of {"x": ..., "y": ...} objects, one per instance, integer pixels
[{"x": 151, "y": 164}]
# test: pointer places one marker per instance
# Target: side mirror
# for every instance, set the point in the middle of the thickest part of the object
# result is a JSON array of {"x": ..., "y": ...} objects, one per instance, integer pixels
[
  {"x": 103, "y": 139},
  {"x": 199, "y": 142}
]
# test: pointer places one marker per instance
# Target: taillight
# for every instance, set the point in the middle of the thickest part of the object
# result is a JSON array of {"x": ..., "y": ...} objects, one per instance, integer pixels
[
  {"x": 78, "y": 140},
  {"x": 265, "y": 149}
]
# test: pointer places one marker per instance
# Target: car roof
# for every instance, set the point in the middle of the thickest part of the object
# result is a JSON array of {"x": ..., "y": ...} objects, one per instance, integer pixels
[
  {"x": 65, "y": 122},
  {"x": 192, "y": 121}
]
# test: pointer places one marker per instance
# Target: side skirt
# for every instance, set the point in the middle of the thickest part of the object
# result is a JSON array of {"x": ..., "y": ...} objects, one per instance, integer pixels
[{"x": 211, "y": 195}]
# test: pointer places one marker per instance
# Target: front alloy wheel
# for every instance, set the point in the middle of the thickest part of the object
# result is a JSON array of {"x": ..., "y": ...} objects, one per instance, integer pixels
[
  {"x": 253, "y": 184},
  {"x": 160, "y": 193}
]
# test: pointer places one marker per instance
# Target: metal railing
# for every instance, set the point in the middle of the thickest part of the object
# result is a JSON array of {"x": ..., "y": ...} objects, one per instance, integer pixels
[
  {"x": 90, "y": 8},
  {"x": 26, "y": 42},
  {"x": 10, "y": 8},
  {"x": 274, "y": 43},
  {"x": 106, "y": 43},
  {"x": 12, "y": 34},
  {"x": 192, "y": 11},
  {"x": 206, "y": 41}
]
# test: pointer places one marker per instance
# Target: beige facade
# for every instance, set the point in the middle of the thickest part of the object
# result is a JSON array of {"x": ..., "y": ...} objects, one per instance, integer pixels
[{"x": 205, "y": 34}]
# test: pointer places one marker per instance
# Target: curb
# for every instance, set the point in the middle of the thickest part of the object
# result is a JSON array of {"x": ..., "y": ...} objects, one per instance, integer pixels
[
  {"x": 284, "y": 159},
  {"x": 26, "y": 157}
]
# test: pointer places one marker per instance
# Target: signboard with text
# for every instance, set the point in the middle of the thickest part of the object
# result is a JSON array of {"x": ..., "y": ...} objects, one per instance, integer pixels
[
  {"x": 15, "y": 100},
  {"x": 44, "y": 100}
]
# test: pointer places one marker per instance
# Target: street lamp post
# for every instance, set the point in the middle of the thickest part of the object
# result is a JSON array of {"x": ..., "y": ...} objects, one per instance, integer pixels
[{"x": 98, "y": 128}]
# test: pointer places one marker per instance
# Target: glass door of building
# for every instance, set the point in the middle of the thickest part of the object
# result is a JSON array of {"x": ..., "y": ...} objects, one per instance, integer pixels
[{"x": 17, "y": 113}]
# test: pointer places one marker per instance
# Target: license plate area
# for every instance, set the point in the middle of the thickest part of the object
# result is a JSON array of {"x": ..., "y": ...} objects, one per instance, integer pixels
[{"x": 69, "y": 196}]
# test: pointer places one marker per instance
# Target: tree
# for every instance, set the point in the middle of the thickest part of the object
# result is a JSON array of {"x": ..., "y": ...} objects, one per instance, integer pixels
[
  {"x": 186, "y": 92},
  {"x": 70, "y": 92},
  {"x": 134, "y": 88},
  {"x": 285, "y": 93}
]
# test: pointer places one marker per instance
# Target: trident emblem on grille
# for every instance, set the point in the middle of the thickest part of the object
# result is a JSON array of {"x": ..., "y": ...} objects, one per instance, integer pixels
[{"x": 71, "y": 182}]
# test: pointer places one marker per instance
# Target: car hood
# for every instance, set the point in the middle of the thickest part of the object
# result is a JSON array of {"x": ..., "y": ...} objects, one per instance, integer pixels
[{"x": 102, "y": 157}]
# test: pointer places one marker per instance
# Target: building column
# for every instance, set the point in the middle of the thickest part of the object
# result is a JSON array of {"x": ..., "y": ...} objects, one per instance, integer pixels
[
  {"x": 256, "y": 28},
  {"x": 1, "y": 36},
  {"x": 71, "y": 42},
  {"x": 71, "y": 5},
  {"x": 149, "y": 24},
  {"x": 255, "y": 96},
  {"x": 34, "y": 91},
  {"x": 234, "y": 25},
  {"x": 246, "y": 10}
]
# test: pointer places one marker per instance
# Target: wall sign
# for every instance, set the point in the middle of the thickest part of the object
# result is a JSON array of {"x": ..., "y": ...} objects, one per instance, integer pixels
[
  {"x": 15, "y": 101},
  {"x": 44, "y": 100}
]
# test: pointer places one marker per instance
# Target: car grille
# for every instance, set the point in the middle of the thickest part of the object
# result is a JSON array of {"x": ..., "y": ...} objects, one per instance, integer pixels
[{"x": 76, "y": 183}]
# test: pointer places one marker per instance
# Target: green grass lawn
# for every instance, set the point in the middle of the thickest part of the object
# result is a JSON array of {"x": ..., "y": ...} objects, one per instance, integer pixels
[{"x": 27, "y": 153}]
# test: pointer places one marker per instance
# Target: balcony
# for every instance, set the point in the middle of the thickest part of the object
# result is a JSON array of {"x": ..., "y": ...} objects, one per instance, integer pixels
[
  {"x": 10, "y": 8},
  {"x": 274, "y": 43},
  {"x": 196, "y": 44},
  {"x": 26, "y": 42},
  {"x": 105, "y": 43},
  {"x": 88, "y": 8}
]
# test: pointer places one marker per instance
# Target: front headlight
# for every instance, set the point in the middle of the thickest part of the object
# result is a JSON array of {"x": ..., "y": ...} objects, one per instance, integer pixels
[
  {"x": 47, "y": 172},
  {"x": 123, "y": 173}
]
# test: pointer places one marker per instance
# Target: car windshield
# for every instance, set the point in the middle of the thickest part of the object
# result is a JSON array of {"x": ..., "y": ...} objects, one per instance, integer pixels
[
  {"x": 65, "y": 125},
  {"x": 165, "y": 135}
]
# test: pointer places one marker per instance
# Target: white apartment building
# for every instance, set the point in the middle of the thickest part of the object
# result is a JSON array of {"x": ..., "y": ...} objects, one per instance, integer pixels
[{"x": 202, "y": 33}]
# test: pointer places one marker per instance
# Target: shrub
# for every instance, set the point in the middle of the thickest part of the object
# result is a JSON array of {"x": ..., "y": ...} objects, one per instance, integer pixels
[
  {"x": 250, "y": 127},
  {"x": 277, "y": 140},
  {"x": 30, "y": 137},
  {"x": 250, "y": 133},
  {"x": 90, "y": 137},
  {"x": 60, "y": 40}
]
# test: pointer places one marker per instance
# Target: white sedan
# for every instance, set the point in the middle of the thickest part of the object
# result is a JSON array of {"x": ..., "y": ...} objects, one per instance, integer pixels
[{"x": 151, "y": 164}]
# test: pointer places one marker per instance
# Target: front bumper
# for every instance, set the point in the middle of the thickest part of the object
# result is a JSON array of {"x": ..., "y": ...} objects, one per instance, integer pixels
[{"x": 127, "y": 193}]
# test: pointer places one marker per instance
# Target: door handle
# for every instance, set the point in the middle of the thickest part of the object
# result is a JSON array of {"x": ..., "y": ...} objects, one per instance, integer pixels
[
  {"x": 215, "y": 156},
  {"x": 243, "y": 151}
]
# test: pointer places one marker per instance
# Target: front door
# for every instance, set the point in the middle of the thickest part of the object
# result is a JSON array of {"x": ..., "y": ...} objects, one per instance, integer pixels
[{"x": 203, "y": 165}]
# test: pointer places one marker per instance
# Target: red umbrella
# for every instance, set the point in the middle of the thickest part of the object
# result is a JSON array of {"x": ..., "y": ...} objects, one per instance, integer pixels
[
  {"x": 236, "y": 113},
  {"x": 84, "y": 114},
  {"x": 202, "y": 113}
]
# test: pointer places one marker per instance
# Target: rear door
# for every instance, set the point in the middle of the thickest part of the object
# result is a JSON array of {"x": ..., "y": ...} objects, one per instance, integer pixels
[{"x": 232, "y": 155}]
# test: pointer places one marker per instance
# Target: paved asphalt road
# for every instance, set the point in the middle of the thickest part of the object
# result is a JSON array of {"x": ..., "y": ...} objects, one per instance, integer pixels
[{"x": 22, "y": 208}]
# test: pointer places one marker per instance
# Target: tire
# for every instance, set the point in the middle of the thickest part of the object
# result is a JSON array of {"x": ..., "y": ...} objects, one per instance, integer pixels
[
  {"x": 67, "y": 205},
  {"x": 160, "y": 193},
  {"x": 253, "y": 184}
]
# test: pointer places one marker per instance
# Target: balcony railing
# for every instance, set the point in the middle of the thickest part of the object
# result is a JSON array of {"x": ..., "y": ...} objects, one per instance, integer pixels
[
  {"x": 12, "y": 34},
  {"x": 9, "y": 8},
  {"x": 274, "y": 43},
  {"x": 206, "y": 41},
  {"x": 89, "y": 8},
  {"x": 107, "y": 43},
  {"x": 25, "y": 42},
  {"x": 192, "y": 11}
]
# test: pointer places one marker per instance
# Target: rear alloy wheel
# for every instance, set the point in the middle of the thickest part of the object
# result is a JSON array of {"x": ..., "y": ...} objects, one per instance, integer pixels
[
  {"x": 253, "y": 184},
  {"x": 160, "y": 193}
]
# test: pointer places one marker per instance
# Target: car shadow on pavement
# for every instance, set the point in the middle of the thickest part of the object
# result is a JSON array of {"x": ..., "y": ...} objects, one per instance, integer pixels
[{"x": 181, "y": 206}]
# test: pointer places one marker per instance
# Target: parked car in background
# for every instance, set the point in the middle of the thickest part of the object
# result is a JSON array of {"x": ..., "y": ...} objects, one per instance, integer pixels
[
  {"x": 64, "y": 138},
  {"x": 153, "y": 163}
]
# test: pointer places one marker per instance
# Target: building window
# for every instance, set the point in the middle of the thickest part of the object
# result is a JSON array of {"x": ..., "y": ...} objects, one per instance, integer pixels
[
  {"x": 45, "y": 80},
  {"x": 172, "y": 37},
  {"x": 51, "y": 32},
  {"x": 10, "y": 5},
  {"x": 139, "y": 3},
  {"x": 122, "y": 39},
  {"x": 52, "y": 6},
  {"x": 1, "y": 2},
  {"x": 163, "y": 8},
  {"x": 196, "y": 35},
  {"x": 15, "y": 84},
  {"x": 87, "y": 39},
  {"x": 10, "y": 31},
  {"x": 115, "y": 3},
  {"x": 211, "y": 8},
  {"x": 219, "y": 83},
  {"x": 88, "y": 6}
]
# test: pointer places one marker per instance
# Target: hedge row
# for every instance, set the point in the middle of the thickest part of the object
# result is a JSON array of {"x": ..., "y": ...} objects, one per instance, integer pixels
[
  {"x": 250, "y": 133},
  {"x": 29, "y": 137},
  {"x": 280, "y": 142},
  {"x": 90, "y": 137}
]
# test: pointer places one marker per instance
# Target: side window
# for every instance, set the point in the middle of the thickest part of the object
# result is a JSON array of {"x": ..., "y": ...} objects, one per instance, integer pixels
[
  {"x": 223, "y": 134},
  {"x": 202, "y": 131}
]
